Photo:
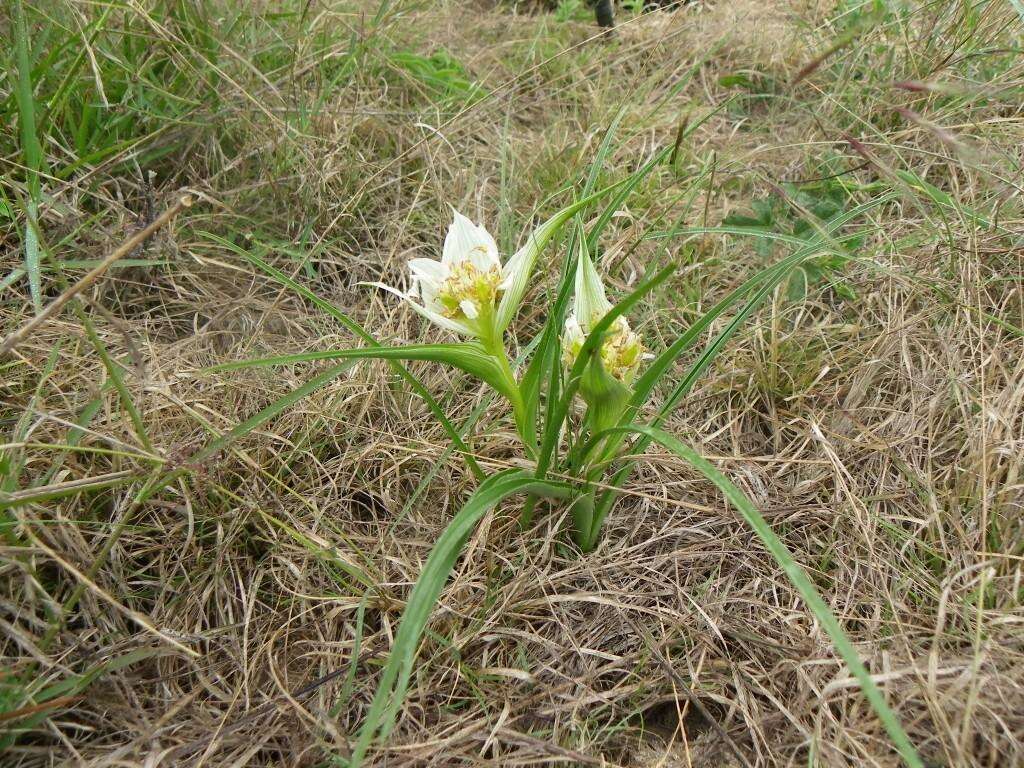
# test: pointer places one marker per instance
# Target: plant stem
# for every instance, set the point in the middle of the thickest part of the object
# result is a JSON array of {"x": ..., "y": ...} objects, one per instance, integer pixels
[
  {"x": 495, "y": 346},
  {"x": 582, "y": 510}
]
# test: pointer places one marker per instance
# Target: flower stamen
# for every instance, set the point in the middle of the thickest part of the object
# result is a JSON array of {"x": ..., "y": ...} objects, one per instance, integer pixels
[
  {"x": 621, "y": 349},
  {"x": 467, "y": 290}
]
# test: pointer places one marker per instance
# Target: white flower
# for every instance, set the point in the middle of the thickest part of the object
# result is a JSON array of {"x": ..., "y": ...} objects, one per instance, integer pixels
[
  {"x": 460, "y": 292},
  {"x": 621, "y": 350}
]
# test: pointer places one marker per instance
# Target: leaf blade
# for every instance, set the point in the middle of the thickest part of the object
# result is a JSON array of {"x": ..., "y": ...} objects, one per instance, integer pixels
[
  {"x": 467, "y": 356},
  {"x": 346, "y": 321},
  {"x": 398, "y": 669},
  {"x": 798, "y": 578}
]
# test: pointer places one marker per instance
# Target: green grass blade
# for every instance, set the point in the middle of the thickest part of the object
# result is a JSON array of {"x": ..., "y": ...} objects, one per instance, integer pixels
[
  {"x": 767, "y": 280},
  {"x": 758, "y": 232},
  {"x": 266, "y": 414},
  {"x": 358, "y": 330},
  {"x": 602, "y": 153},
  {"x": 762, "y": 283},
  {"x": 158, "y": 481},
  {"x": 623, "y": 192},
  {"x": 394, "y": 680},
  {"x": 67, "y": 85},
  {"x": 69, "y": 488},
  {"x": 798, "y": 578},
  {"x": 76, "y": 433},
  {"x": 114, "y": 372},
  {"x": 32, "y": 151}
]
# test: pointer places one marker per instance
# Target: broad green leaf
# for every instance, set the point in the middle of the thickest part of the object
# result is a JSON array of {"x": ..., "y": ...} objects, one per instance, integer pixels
[
  {"x": 394, "y": 680},
  {"x": 797, "y": 577},
  {"x": 467, "y": 356}
]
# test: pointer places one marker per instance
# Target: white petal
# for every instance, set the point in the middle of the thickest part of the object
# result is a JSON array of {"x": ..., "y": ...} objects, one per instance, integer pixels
[
  {"x": 438, "y": 319},
  {"x": 591, "y": 303},
  {"x": 465, "y": 240},
  {"x": 434, "y": 317},
  {"x": 469, "y": 309},
  {"x": 428, "y": 276},
  {"x": 513, "y": 269},
  {"x": 485, "y": 251},
  {"x": 429, "y": 270},
  {"x": 389, "y": 289},
  {"x": 459, "y": 241},
  {"x": 428, "y": 294}
]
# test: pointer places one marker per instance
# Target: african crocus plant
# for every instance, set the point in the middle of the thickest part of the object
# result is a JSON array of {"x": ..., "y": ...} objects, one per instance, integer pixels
[{"x": 579, "y": 396}]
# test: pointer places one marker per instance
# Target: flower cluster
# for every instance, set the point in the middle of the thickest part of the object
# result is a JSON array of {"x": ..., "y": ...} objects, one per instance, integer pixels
[{"x": 464, "y": 292}]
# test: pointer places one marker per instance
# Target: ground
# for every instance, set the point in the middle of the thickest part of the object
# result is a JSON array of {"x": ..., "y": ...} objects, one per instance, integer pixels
[{"x": 240, "y": 615}]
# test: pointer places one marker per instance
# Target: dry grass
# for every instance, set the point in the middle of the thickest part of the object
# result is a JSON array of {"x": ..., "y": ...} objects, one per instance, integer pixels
[{"x": 881, "y": 434}]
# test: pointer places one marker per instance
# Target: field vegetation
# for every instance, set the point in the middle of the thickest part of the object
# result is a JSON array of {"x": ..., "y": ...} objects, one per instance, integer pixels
[{"x": 212, "y": 525}]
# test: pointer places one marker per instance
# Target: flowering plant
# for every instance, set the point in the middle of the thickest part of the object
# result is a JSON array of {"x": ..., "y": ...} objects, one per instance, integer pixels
[{"x": 587, "y": 354}]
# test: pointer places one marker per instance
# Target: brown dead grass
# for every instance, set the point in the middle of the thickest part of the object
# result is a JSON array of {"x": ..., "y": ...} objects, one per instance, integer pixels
[{"x": 881, "y": 437}]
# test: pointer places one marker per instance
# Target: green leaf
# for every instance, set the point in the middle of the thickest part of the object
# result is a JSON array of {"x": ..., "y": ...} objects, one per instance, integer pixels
[
  {"x": 767, "y": 279},
  {"x": 67, "y": 686},
  {"x": 467, "y": 356},
  {"x": 60, "y": 490},
  {"x": 32, "y": 150},
  {"x": 545, "y": 367},
  {"x": 761, "y": 284},
  {"x": 394, "y": 680},
  {"x": 590, "y": 346},
  {"x": 254, "y": 422},
  {"x": 628, "y": 185},
  {"x": 797, "y": 577},
  {"x": 358, "y": 330}
]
